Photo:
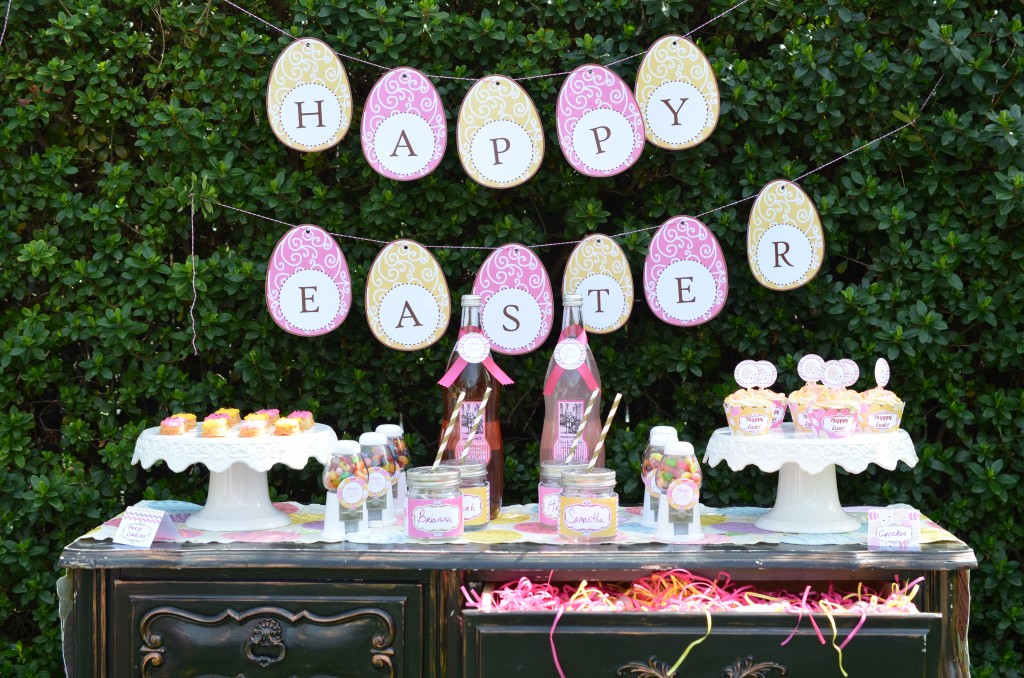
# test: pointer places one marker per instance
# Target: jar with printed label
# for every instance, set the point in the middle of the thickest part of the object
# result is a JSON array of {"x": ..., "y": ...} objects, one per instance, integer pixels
[
  {"x": 434, "y": 505},
  {"x": 588, "y": 505},
  {"x": 476, "y": 493},
  {"x": 381, "y": 467},
  {"x": 549, "y": 489}
]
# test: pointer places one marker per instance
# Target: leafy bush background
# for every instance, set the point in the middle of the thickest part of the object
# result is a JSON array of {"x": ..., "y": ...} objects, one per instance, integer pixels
[{"x": 114, "y": 111}]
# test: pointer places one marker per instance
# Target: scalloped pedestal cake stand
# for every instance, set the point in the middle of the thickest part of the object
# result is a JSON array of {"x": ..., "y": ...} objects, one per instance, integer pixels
[
  {"x": 807, "y": 499},
  {"x": 239, "y": 497}
]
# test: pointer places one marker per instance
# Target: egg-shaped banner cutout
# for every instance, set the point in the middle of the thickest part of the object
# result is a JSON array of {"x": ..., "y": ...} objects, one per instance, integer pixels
[
  {"x": 600, "y": 128},
  {"x": 785, "y": 241},
  {"x": 309, "y": 289},
  {"x": 598, "y": 271},
  {"x": 686, "y": 281},
  {"x": 407, "y": 301},
  {"x": 516, "y": 302},
  {"x": 403, "y": 130},
  {"x": 500, "y": 139},
  {"x": 677, "y": 93},
  {"x": 309, "y": 100}
]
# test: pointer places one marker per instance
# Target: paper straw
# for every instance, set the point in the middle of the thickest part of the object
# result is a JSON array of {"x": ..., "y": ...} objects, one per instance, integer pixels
[
  {"x": 448, "y": 430},
  {"x": 604, "y": 431},
  {"x": 476, "y": 423},
  {"x": 583, "y": 423}
]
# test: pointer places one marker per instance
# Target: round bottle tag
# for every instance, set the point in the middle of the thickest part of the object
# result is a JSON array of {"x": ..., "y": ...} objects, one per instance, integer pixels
[
  {"x": 570, "y": 354},
  {"x": 766, "y": 373},
  {"x": 746, "y": 374},
  {"x": 352, "y": 492},
  {"x": 473, "y": 347},
  {"x": 833, "y": 376},
  {"x": 881, "y": 372},
  {"x": 682, "y": 494},
  {"x": 810, "y": 368}
]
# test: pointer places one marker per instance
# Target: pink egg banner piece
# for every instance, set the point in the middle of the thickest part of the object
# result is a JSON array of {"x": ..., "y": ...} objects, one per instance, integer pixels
[
  {"x": 686, "y": 281},
  {"x": 403, "y": 130},
  {"x": 515, "y": 294},
  {"x": 309, "y": 290},
  {"x": 600, "y": 128}
]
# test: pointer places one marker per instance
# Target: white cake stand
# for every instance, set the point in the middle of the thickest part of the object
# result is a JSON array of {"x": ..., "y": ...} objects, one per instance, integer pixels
[
  {"x": 807, "y": 499},
  {"x": 239, "y": 497}
]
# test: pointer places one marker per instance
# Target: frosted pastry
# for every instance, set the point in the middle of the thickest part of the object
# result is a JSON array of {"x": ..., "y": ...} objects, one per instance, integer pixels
[
  {"x": 215, "y": 426},
  {"x": 234, "y": 416},
  {"x": 272, "y": 415},
  {"x": 749, "y": 411},
  {"x": 252, "y": 429},
  {"x": 286, "y": 426},
  {"x": 833, "y": 413},
  {"x": 799, "y": 404},
  {"x": 304, "y": 418},
  {"x": 880, "y": 410},
  {"x": 188, "y": 417},
  {"x": 257, "y": 416},
  {"x": 172, "y": 426}
]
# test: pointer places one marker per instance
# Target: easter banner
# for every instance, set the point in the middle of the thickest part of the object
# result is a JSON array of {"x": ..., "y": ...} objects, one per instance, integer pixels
[
  {"x": 407, "y": 301},
  {"x": 515, "y": 294},
  {"x": 308, "y": 290}
]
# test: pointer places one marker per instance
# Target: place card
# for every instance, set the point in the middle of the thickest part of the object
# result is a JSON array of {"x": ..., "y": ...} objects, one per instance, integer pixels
[
  {"x": 141, "y": 526},
  {"x": 894, "y": 529}
]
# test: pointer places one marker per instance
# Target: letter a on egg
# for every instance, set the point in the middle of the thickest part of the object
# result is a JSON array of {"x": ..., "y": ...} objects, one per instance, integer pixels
[{"x": 785, "y": 239}]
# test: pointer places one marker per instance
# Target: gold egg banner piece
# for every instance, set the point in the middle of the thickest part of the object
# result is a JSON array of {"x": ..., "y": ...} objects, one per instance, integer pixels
[
  {"x": 500, "y": 139},
  {"x": 309, "y": 101},
  {"x": 677, "y": 93},
  {"x": 407, "y": 301},
  {"x": 599, "y": 271},
  {"x": 785, "y": 240}
]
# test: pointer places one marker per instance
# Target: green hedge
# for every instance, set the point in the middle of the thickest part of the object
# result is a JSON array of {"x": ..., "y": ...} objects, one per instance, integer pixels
[{"x": 114, "y": 111}]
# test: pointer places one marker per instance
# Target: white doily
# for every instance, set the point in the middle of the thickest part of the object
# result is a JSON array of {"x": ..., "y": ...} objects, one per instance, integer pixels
[
  {"x": 218, "y": 454},
  {"x": 769, "y": 452}
]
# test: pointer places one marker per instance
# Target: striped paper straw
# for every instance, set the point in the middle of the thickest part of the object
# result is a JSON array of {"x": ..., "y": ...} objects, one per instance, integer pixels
[
  {"x": 604, "y": 431},
  {"x": 451, "y": 427},
  {"x": 583, "y": 423},
  {"x": 476, "y": 423}
]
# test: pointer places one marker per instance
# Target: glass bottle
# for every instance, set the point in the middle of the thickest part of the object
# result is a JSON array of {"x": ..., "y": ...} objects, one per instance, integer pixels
[
  {"x": 486, "y": 447},
  {"x": 588, "y": 505},
  {"x": 565, "y": 404},
  {"x": 381, "y": 467},
  {"x": 435, "y": 503}
]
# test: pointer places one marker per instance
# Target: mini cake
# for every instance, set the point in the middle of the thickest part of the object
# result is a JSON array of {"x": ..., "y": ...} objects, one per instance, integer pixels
[
  {"x": 234, "y": 416},
  {"x": 272, "y": 415},
  {"x": 215, "y": 426},
  {"x": 304, "y": 418},
  {"x": 252, "y": 429},
  {"x": 880, "y": 410},
  {"x": 750, "y": 411},
  {"x": 257, "y": 416},
  {"x": 190, "y": 419},
  {"x": 286, "y": 426},
  {"x": 172, "y": 426},
  {"x": 799, "y": 404},
  {"x": 218, "y": 415}
]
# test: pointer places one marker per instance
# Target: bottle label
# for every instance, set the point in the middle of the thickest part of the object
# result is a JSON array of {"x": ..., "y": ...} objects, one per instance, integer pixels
[
  {"x": 352, "y": 492},
  {"x": 570, "y": 354},
  {"x": 473, "y": 347},
  {"x": 379, "y": 482},
  {"x": 434, "y": 518},
  {"x": 547, "y": 498},
  {"x": 476, "y": 505},
  {"x": 683, "y": 494},
  {"x": 479, "y": 450},
  {"x": 587, "y": 517},
  {"x": 570, "y": 416}
]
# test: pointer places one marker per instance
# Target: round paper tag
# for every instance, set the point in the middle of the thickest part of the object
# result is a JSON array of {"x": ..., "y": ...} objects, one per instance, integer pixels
[
  {"x": 810, "y": 368},
  {"x": 852, "y": 372},
  {"x": 352, "y": 492},
  {"x": 746, "y": 374},
  {"x": 881, "y": 372},
  {"x": 833, "y": 376},
  {"x": 473, "y": 348},
  {"x": 766, "y": 373},
  {"x": 682, "y": 494},
  {"x": 570, "y": 354},
  {"x": 379, "y": 482}
]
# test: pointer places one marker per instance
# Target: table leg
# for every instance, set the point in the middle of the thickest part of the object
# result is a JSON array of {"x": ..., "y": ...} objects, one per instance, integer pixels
[
  {"x": 807, "y": 502},
  {"x": 238, "y": 501}
]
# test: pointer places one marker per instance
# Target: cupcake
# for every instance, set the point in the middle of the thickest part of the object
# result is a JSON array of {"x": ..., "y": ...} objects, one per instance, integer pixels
[
  {"x": 749, "y": 411},
  {"x": 172, "y": 426},
  {"x": 304, "y": 418},
  {"x": 252, "y": 429},
  {"x": 833, "y": 412},
  {"x": 780, "y": 402},
  {"x": 880, "y": 410},
  {"x": 190, "y": 419},
  {"x": 810, "y": 369},
  {"x": 285, "y": 426}
]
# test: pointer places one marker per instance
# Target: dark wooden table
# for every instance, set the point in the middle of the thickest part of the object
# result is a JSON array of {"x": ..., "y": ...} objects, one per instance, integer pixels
[{"x": 282, "y": 610}]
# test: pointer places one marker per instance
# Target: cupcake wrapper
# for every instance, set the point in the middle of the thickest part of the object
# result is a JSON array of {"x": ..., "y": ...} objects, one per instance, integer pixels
[
  {"x": 780, "y": 414},
  {"x": 879, "y": 418},
  {"x": 801, "y": 417},
  {"x": 833, "y": 423},
  {"x": 749, "y": 421}
]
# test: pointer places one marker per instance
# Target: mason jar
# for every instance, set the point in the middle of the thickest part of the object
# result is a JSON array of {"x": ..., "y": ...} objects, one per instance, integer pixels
[
  {"x": 549, "y": 488},
  {"x": 476, "y": 492},
  {"x": 588, "y": 505},
  {"x": 434, "y": 503}
]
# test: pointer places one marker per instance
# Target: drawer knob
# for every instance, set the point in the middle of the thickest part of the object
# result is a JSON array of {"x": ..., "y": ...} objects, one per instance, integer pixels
[
  {"x": 267, "y": 633},
  {"x": 741, "y": 668}
]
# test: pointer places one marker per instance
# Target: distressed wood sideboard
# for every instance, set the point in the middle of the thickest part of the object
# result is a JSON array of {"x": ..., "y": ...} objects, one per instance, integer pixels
[{"x": 332, "y": 610}]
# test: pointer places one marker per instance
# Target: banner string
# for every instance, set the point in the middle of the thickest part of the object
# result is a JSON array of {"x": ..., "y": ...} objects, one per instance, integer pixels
[
  {"x": 7, "y": 15},
  {"x": 454, "y": 77},
  {"x": 195, "y": 290}
]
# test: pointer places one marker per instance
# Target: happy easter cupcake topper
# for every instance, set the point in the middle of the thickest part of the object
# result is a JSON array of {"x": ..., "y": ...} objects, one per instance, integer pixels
[
  {"x": 851, "y": 370},
  {"x": 882, "y": 372},
  {"x": 834, "y": 375},
  {"x": 766, "y": 373},
  {"x": 747, "y": 374},
  {"x": 810, "y": 368}
]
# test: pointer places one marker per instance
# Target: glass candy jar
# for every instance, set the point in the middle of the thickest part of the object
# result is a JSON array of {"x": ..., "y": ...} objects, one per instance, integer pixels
[
  {"x": 588, "y": 505},
  {"x": 476, "y": 492},
  {"x": 434, "y": 506}
]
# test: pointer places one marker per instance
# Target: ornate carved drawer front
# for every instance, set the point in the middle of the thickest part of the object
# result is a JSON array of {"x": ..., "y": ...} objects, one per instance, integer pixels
[
  {"x": 633, "y": 645},
  {"x": 266, "y": 629}
]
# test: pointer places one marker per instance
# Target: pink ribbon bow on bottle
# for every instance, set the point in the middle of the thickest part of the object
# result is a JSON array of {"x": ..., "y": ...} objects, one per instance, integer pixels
[
  {"x": 477, "y": 348},
  {"x": 574, "y": 354}
]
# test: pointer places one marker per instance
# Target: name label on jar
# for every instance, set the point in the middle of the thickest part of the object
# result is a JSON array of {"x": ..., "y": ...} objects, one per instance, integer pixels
[
  {"x": 548, "y": 498},
  {"x": 587, "y": 517},
  {"x": 882, "y": 421},
  {"x": 352, "y": 492},
  {"x": 379, "y": 482},
  {"x": 683, "y": 494},
  {"x": 434, "y": 518},
  {"x": 476, "y": 505}
]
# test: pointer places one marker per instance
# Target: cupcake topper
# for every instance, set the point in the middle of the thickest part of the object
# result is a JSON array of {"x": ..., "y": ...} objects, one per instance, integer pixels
[
  {"x": 747, "y": 374},
  {"x": 881, "y": 372},
  {"x": 810, "y": 368},
  {"x": 766, "y": 373},
  {"x": 852, "y": 372},
  {"x": 834, "y": 376}
]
